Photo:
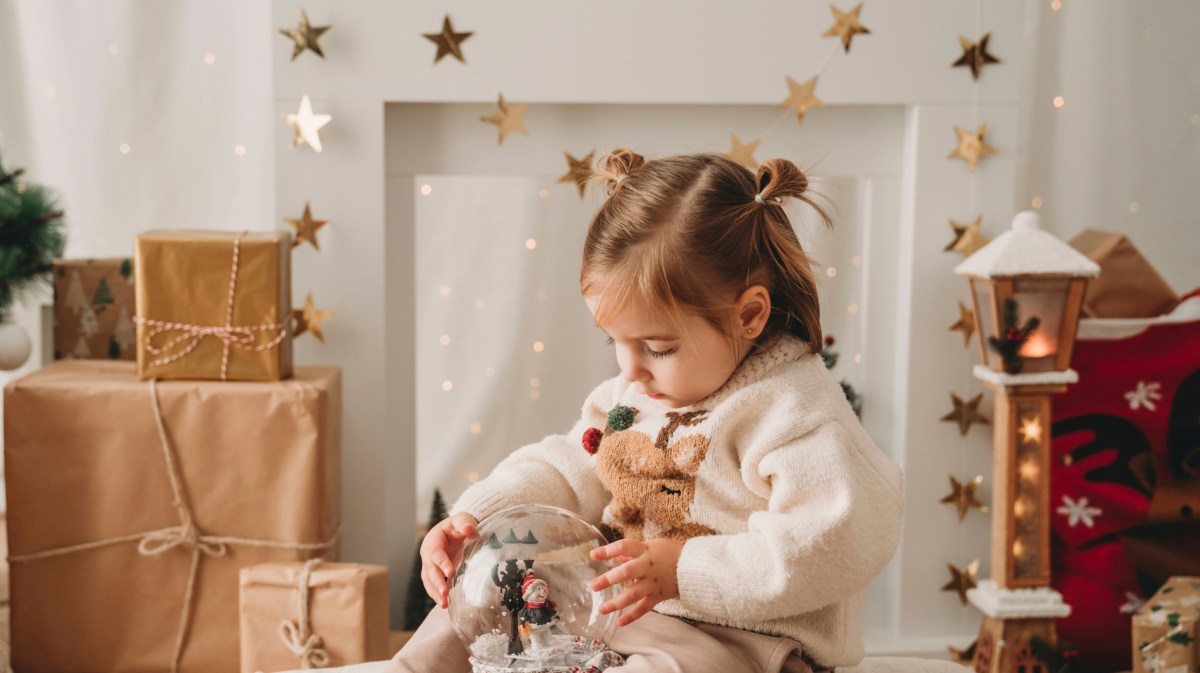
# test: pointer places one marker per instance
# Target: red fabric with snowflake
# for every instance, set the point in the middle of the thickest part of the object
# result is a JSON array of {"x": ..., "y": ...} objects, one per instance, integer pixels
[{"x": 1125, "y": 483}]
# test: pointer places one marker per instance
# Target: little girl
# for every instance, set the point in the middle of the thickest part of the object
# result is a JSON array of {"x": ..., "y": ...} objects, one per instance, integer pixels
[{"x": 752, "y": 507}]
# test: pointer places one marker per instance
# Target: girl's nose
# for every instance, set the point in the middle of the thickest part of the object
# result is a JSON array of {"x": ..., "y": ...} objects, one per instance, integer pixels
[{"x": 634, "y": 373}]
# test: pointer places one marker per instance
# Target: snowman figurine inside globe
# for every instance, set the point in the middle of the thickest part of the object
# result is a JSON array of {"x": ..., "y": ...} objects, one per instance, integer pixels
[{"x": 522, "y": 600}]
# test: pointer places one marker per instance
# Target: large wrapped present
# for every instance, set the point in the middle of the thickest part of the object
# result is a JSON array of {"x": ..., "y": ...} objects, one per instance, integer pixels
[
  {"x": 1166, "y": 628},
  {"x": 133, "y": 505},
  {"x": 1125, "y": 484},
  {"x": 214, "y": 305},
  {"x": 93, "y": 309},
  {"x": 1128, "y": 285},
  {"x": 313, "y": 614}
]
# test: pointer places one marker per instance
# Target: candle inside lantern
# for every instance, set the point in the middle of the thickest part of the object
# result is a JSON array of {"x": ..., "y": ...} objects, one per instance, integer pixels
[{"x": 1040, "y": 344}]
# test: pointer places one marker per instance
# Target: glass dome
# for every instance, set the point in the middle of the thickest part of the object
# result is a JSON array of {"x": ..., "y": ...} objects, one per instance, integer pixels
[{"x": 522, "y": 597}]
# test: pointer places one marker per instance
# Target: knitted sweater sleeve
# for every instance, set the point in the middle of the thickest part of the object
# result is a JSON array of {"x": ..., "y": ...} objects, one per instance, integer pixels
[
  {"x": 555, "y": 471},
  {"x": 831, "y": 524}
]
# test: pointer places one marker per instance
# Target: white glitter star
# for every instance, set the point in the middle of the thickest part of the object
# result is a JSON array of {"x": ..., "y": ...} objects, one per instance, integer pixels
[
  {"x": 1078, "y": 511},
  {"x": 1144, "y": 395}
]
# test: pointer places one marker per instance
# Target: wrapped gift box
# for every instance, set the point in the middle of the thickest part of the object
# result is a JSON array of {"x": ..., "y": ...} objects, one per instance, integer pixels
[
  {"x": 93, "y": 309},
  {"x": 1165, "y": 629},
  {"x": 125, "y": 550},
  {"x": 1128, "y": 285},
  {"x": 315, "y": 613},
  {"x": 214, "y": 305}
]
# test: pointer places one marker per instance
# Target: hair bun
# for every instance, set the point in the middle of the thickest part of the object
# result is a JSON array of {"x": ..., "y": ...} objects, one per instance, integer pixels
[
  {"x": 620, "y": 162},
  {"x": 779, "y": 179}
]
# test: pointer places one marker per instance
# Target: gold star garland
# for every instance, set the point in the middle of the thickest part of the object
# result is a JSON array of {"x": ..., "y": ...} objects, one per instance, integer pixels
[
  {"x": 965, "y": 414},
  {"x": 846, "y": 25},
  {"x": 448, "y": 42},
  {"x": 962, "y": 496},
  {"x": 306, "y": 125},
  {"x": 309, "y": 319},
  {"x": 965, "y": 324},
  {"x": 306, "y": 227},
  {"x": 305, "y": 36},
  {"x": 971, "y": 147},
  {"x": 507, "y": 118},
  {"x": 743, "y": 153},
  {"x": 967, "y": 238},
  {"x": 975, "y": 55},
  {"x": 579, "y": 171},
  {"x": 961, "y": 580}
]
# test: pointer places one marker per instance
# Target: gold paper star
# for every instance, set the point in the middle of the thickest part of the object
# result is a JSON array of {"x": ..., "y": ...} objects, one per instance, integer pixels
[
  {"x": 800, "y": 97},
  {"x": 448, "y": 41},
  {"x": 306, "y": 227},
  {"x": 1031, "y": 429},
  {"x": 309, "y": 319},
  {"x": 965, "y": 324},
  {"x": 743, "y": 153},
  {"x": 971, "y": 147},
  {"x": 305, "y": 36},
  {"x": 963, "y": 496},
  {"x": 579, "y": 172},
  {"x": 974, "y": 55},
  {"x": 967, "y": 238},
  {"x": 845, "y": 25},
  {"x": 962, "y": 580},
  {"x": 966, "y": 413},
  {"x": 307, "y": 124},
  {"x": 507, "y": 118},
  {"x": 964, "y": 657}
]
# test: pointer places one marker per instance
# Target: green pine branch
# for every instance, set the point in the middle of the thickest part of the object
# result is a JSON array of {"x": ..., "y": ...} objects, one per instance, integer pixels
[{"x": 32, "y": 235}]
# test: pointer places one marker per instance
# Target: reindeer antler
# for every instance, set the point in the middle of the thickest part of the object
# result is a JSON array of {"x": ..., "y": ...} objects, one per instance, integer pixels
[
  {"x": 1129, "y": 468},
  {"x": 676, "y": 421}
]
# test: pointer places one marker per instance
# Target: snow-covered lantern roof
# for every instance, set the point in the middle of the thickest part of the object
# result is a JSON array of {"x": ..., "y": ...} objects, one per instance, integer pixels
[{"x": 1027, "y": 289}]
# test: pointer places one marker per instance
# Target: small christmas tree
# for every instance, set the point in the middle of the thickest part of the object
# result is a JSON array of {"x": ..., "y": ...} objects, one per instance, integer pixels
[
  {"x": 102, "y": 297},
  {"x": 31, "y": 236},
  {"x": 831, "y": 357},
  {"x": 1009, "y": 345},
  {"x": 419, "y": 604}
]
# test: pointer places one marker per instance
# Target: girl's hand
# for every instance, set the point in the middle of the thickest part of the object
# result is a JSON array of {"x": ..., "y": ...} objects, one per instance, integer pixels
[
  {"x": 649, "y": 576},
  {"x": 442, "y": 551}
]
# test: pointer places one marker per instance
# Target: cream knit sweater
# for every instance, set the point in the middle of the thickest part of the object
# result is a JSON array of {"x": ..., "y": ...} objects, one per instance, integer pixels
[{"x": 799, "y": 508}]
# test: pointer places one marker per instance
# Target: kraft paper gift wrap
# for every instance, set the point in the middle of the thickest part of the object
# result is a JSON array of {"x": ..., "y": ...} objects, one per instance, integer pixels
[
  {"x": 342, "y": 620},
  {"x": 204, "y": 312},
  {"x": 118, "y": 567},
  {"x": 1128, "y": 285},
  {"x": 1165, "y": 629},
  {"x": 94, "y": 308}
]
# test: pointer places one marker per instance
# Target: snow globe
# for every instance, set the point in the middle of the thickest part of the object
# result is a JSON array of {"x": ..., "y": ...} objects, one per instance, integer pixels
[{"x": 522, "y": 600}]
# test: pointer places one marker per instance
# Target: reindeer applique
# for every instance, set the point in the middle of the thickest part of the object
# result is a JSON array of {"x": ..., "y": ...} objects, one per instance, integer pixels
[
  {"x": 653, "y": 482},
  {"x": 1173, "y": 510}
]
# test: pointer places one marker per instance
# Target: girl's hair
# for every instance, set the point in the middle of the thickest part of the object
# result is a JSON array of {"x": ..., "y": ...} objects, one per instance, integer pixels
[{"x": 691, "y": 232}]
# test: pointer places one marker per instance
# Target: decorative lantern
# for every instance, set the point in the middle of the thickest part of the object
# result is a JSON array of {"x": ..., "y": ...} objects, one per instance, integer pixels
[{"x": 1027, "y": 288}]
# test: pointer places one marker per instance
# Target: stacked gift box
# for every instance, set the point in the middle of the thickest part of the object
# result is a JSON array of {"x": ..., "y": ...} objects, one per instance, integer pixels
[{"x": 153, "y": 505}]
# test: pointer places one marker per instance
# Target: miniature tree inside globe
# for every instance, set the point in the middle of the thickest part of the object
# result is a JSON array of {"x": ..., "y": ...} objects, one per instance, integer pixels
[{"x": 522, "y": 598}]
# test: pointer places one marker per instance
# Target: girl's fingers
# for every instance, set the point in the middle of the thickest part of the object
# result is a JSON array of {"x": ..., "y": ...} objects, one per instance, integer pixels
[
  {"x": 636, "y": 612},
  {"x": 439, "y": 560},
  {"x": 619, "y": 548},
  {"x": 622, "y": 573},
  {"x": 624, "y": 600}
]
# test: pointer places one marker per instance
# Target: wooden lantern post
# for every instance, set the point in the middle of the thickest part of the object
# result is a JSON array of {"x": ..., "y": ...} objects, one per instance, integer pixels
[{"x": 1025, "y": 273}]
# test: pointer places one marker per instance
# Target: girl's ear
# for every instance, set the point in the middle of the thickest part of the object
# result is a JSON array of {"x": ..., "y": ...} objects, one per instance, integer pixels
[{"x": 753, "y": 309}]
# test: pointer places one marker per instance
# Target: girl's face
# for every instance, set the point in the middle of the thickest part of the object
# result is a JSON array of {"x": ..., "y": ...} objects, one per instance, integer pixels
[{"x": 664, "y": 364}]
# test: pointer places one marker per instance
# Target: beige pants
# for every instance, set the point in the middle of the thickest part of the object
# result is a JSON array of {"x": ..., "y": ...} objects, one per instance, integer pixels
[{"x": 653, "y": 644}]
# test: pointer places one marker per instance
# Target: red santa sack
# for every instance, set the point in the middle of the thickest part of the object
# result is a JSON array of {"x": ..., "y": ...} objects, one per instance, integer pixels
[{"x": 1125, "y": 481}]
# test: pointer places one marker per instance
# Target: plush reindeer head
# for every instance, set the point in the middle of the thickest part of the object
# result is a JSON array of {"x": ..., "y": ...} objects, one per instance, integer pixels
[{"x": 653, "y": 482}]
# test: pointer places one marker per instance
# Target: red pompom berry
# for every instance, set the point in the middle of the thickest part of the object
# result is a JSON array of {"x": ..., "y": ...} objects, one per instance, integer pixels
[
  {"x": 591, "y": 440},
  {"x": 1014, "y": 334},
  {"x": 829, "y": 341}
]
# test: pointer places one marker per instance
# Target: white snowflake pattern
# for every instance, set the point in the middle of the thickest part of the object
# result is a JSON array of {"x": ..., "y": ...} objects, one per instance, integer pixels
[
  {"x": 1152, "y": 662},
  {"x": 1132, "y": 603},
  {"x": 1144, "y": 395},
  {"x": 1077, "y": 511}
]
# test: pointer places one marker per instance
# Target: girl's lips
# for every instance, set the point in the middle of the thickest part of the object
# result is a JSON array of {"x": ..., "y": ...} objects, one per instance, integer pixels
[{"x": 655, "y": 396}]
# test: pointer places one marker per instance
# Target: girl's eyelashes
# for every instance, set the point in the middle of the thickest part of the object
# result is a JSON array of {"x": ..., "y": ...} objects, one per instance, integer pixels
[{"x": 649, "y": 351}]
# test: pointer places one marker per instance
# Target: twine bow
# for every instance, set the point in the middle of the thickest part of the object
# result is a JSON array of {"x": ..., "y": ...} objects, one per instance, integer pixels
[
  {"x": 237, "y": 336},
  {"x": 186, "y": 535},
  {"x": 299, "y": 637}
]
